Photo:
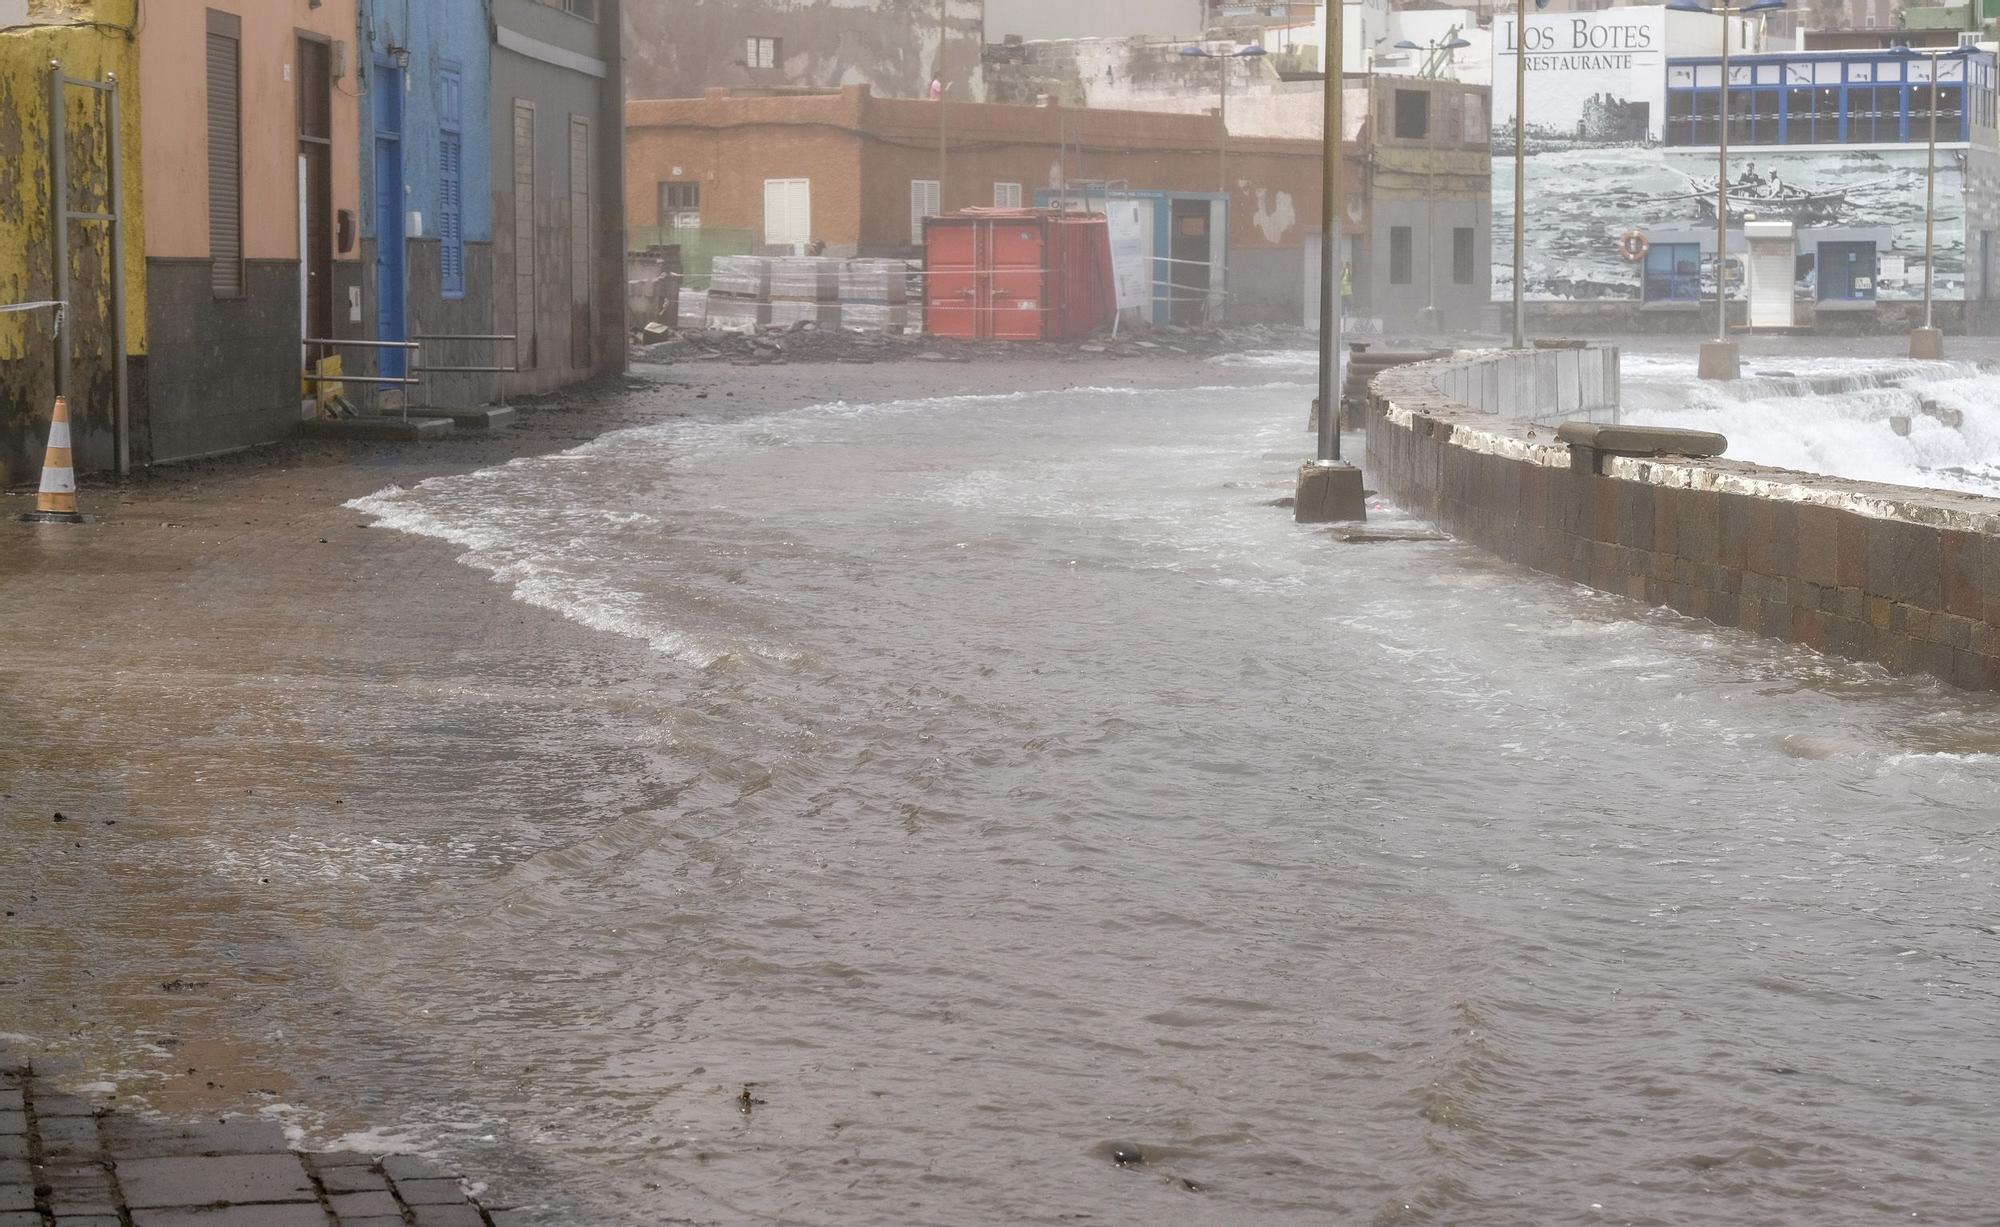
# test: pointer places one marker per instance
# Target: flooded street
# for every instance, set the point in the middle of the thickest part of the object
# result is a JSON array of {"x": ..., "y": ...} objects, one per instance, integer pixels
[{"x": 880, "y": 811}]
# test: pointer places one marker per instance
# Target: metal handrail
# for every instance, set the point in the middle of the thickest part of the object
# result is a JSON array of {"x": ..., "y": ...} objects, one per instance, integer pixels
[
  {"x": 511, "y": 339},
  {"x": 402, "y": 383}
]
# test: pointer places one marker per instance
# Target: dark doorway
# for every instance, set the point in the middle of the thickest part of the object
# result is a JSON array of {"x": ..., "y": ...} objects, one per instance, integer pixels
[
  {"x": 315, "y": 107},
  {"x": 1846, "y": 272},
  {"x": 1187, "y": 284}
]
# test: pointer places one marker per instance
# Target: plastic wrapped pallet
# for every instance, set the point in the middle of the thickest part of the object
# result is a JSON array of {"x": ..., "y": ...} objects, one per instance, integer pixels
[
  {"x": 740, "y": 276},
  {"x": 790, "y": 311},
  {"x": 736, "y": 314},
  {"x": 808, "y": 278},
  {"x": 874, "y": 316},
  {"x": 694, "y": 309},
  {"x": 874, "y": 281}
]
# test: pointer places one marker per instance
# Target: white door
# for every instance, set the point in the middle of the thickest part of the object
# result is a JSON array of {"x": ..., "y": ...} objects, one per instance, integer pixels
[
  {"x": 1771, "y": 262},
  {"x": 924, "y": 202},
  {"x": 788, "y": 213}
]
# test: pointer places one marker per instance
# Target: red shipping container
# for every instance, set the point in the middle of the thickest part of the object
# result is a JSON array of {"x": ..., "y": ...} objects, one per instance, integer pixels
[{"x": 1017, "y": 275}]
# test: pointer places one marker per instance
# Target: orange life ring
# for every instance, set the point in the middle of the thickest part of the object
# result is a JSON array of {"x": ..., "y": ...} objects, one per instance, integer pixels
[{"x": 1633, "y": 246}]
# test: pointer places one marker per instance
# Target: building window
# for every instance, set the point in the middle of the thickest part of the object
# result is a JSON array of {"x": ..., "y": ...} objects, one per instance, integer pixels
[
  {"x": 1673, "y": 272},
  {"x": 225, "y": 154},
  {"x": 787, "y": 212},
  {"x": 680, "y": 206},
  {"x": 451, "y": 184},
  {"x": 760, "y": 53},
  {"x": 586, "y": 9},
  {"x": 1006, "y": 195},
  {"x": 1461, "y": 255},
  {"x": 924, "y": 203},
  {"x": 1399, "y": 255},
  {"x": 1413, "y": 114}
]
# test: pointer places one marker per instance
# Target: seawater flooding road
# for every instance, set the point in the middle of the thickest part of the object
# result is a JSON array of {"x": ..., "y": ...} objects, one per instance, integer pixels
[{"x": 986, "y": 781}]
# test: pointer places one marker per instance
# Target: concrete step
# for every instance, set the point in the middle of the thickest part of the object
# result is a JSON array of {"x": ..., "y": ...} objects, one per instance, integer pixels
[
  {"x": 413, "y": 429},
  {"x": 486, "y": 418}
]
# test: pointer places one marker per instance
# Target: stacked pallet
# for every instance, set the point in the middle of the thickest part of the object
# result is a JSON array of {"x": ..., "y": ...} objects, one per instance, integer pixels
[
  {"x": 739, "y": 293},
  {"x": 874, "y": 295},
  {"x": 746, "y": 292}
]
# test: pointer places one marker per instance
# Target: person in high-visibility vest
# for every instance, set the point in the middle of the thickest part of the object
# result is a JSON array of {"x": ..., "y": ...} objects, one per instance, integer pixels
[{"x": 1346, "y": 287}]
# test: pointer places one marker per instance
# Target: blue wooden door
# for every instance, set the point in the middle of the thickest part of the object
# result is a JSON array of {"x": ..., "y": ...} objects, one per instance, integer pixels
[{"x": 389, "y": 280}]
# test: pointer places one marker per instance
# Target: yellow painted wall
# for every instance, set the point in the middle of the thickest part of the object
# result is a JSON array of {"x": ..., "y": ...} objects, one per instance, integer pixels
[
  {"x": 90, "y": 52},
  {"x": 92, "y": 39},
  {"x": 174, "y": 87}
]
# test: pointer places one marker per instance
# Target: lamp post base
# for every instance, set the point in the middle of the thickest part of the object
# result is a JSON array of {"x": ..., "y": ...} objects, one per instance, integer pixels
[
  {"x": 1329, "y": 492},
  {"x": 1720, "y": 360},
  {"x": 1927, "y": 343}
]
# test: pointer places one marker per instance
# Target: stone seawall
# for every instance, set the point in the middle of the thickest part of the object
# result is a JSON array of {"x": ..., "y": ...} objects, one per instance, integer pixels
[{"x": 1906, "y": 577}]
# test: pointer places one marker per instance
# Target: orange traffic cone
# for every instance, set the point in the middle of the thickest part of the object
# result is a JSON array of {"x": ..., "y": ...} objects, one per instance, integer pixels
[{"x": 56, "y": 504}]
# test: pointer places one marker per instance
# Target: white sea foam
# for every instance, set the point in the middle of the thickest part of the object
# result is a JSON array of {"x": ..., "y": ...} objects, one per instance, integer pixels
[{"x": 1903, "y": 423}]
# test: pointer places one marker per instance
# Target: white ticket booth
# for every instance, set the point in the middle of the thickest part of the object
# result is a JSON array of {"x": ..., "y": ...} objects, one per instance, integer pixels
[{"x": 1771, "y": 261}]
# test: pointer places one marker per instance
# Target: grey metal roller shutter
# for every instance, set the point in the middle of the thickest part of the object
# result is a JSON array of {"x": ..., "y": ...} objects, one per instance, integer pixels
[{"x": 225, "y": 164}]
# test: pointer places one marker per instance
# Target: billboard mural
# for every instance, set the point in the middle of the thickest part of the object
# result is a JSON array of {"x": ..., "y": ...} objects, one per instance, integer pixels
[
  {"x": 1619, "y": 207},
  {"x": 1584, "y": 199}
]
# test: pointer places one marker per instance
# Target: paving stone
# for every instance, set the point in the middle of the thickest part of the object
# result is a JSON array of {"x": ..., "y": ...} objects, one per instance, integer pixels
[
  {"x": 460, "y": 1215},
  {"x": 372, "y": 1222},
  {"x": 22, "y": 1218},
  {"x": 70, "y": 1136},
  {"x": 435, "y": 1192},
  {"x": 352, "y": 1180},
  {"x": 324, "y": 1160},
  {"x": 414, "y": 1167},
  {"x": 363, "y": 1204},
  {"x": 13, "y": 1146},
  {"x": 17, "y": 1197},
  {"x": 13, "y": 1122},
  {"x": 89, "y": 1220},
  {"x": 196, "y": 1181},
  {"x": 10, "y": 1099},
  {"x": 232, "y": 1135},
  {"x": 306, "y": 1214},
  {"x": 56, "y": 1103}
]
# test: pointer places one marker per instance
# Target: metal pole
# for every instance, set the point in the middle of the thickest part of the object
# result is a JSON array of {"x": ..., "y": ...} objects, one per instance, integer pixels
[
  {"x": 1930, "y": 191},
  {"x": 123, "y": 422},
  {"x": 1330, "y": 261},
  {"x": 943, "y": 86},
  {"x": 59, "y": 223},
  {"x": 1520, "y": 163},
  {"x": 1222, "y": 144},
  {"x": 1722, "y": 187},
  {"x": 1430, "y": 212}
]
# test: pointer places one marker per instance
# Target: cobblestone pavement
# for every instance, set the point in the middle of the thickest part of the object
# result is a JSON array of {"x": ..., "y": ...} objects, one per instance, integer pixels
[{"x": 66, "y": 1162}]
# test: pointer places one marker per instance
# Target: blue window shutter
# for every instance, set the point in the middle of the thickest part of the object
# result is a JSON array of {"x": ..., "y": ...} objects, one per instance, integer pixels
[
  {"x": 451, "y": 215},
  {"x": 451, "y": 187}
]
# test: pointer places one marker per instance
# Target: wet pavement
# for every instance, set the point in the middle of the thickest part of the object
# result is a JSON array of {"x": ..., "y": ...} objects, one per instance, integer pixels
[
  {"x": 895, "y": 802},
  {"x": 66, "y": 1161}
]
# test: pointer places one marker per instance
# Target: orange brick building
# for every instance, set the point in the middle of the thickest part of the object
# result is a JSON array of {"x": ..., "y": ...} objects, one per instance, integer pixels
[{"x": 857, "y": 173}]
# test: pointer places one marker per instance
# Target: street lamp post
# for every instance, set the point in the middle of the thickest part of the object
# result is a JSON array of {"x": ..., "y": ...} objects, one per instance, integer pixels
[
  {"x": 1250, "y": 52},
  {"x": 1928, "y": 341},
  {"x": 1521, "y": 164},
  {"x": 1431, "y": 50},
  {"x": 1719, "y": 358},
  {"x": 1329, "y": 490}
]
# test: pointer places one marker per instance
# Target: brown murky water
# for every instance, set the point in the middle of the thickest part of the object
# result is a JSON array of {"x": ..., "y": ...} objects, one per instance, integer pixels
[{"x": 983, "y": 783}]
